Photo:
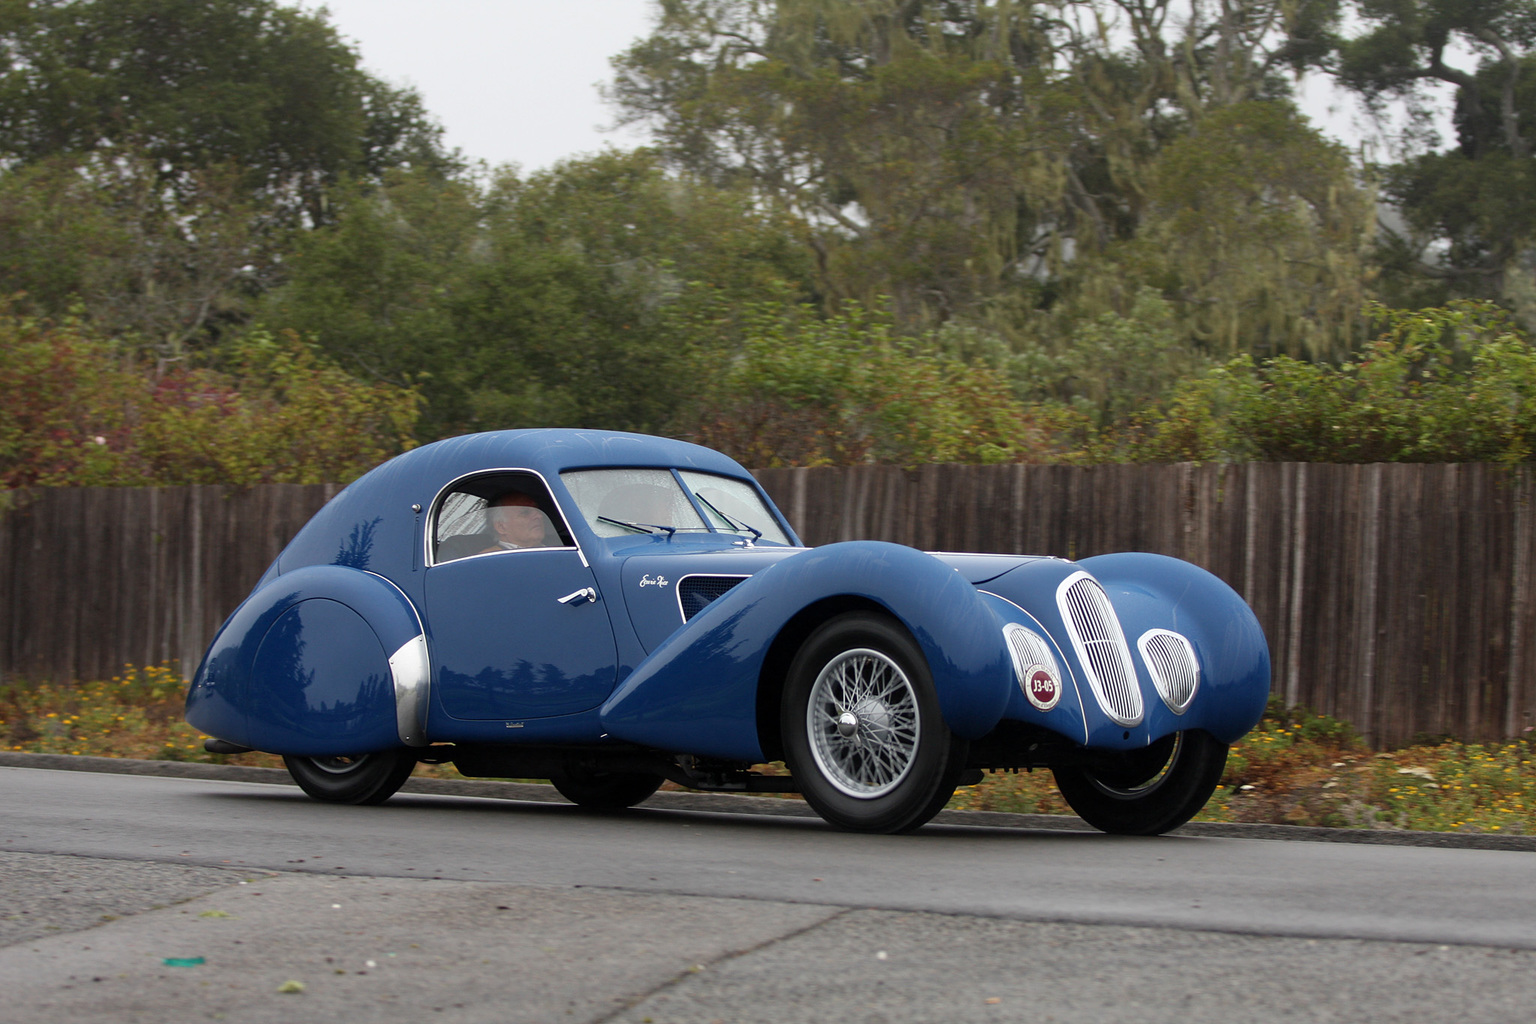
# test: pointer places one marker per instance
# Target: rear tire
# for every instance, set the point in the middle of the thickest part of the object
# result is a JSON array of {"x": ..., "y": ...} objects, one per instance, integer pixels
[
  {"x": 863, "y": 734},
  {"x": 360, "y": 779},
  {"x": 605, "y": 791},
  {"x": 1146, "y": 792}
]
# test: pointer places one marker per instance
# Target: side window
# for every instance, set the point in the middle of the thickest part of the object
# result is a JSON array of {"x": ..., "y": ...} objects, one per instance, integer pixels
[{"x": 497, "y": 512}]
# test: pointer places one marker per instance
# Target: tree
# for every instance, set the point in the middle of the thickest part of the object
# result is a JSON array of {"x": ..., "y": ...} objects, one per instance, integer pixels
[
  {"x": 591, "y": 294},
  {"x": 1255, "y": 230},
  {"x": 1444, "y": 384},
  {"x": 190, "y": 84},
  {"x": 1470, "y": 211},
  {"x": 922, "y": 145},
  {"x": 981, "y": 162},
  {"x": 164, "y": 267},
  {"x": 807, "y": 390},
  {"x": 76, "y": 410}
]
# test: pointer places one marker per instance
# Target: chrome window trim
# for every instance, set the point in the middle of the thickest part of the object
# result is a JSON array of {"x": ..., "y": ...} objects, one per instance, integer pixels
[
  {"x": 429, "y": 531},
  {"x": 1136, "y": 712},
  {"x": 677, "y": 589}
]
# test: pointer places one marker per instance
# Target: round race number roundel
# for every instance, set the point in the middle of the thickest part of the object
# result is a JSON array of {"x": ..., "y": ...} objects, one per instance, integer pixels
[{"x": 1042, "y": 687}]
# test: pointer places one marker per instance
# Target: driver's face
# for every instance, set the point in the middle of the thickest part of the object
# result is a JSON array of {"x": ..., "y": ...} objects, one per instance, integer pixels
[{"x": 519, "y": 522}]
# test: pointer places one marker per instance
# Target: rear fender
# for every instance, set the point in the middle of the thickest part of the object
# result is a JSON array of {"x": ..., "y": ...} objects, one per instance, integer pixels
[
  {"x": 322, "y": 660},
  {"x": 697, "y": 692}
]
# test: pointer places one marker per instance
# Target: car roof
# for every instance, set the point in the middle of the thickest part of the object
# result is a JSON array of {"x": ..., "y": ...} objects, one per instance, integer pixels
[{"x": 369, "y": 524}]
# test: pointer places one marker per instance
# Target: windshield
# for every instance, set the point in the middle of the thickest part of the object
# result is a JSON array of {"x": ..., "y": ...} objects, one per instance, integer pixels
[
  {"x": 733, "y": 506},
  {"x": 625, "y": 502}
]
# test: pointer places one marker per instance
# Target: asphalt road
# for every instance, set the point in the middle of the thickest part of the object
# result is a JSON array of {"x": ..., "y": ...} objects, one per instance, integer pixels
[{"x": 468, "y": 909}]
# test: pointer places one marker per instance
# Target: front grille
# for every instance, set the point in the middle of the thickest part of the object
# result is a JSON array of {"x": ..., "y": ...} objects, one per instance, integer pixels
[
  {"x": 1172, "y": 664},
  {"x": 1101, "y": 647},
  {"x": 1029, "y": 649},
  {"x": 694, "y": 592}
]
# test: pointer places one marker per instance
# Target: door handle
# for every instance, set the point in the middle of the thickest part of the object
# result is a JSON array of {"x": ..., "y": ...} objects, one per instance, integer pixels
[{"x": 579, "y": 597}]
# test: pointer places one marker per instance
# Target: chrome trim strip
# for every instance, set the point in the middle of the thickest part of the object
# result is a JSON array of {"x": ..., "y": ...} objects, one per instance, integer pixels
[
  {"x": 430, "y": 520},
  {"x": 412, "y": 672},
  {"x": 1171, "y": 662},
  {"x": 1101, "y": 647}
]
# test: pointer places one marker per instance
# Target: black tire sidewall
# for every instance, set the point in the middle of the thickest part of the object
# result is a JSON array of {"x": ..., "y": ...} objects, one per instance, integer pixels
[
  {"x": 373, "y": 779},
  {"x": 929, "y": 782},
  {"x": 606, "y": 791},
  {"x": 1180, "y": 795}
]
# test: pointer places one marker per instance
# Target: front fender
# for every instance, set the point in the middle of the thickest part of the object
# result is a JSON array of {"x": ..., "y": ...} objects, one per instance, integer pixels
[
  {"x": 697, "y": 692},
  {"x": 322, "y": 660}
]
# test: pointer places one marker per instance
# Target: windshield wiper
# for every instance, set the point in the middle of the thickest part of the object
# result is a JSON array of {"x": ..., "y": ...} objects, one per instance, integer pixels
[
  {"x": 638, "y": 527},
  {"x": 735, "y": 524}
]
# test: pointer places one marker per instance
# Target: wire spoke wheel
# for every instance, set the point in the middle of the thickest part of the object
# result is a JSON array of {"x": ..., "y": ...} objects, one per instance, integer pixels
[
  {"x": 863, "y": 721},
  {"x": 862, "y": 730}
]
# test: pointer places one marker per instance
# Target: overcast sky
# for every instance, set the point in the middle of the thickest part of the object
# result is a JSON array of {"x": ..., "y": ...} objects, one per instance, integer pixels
[{"x": 513, "y": 81}]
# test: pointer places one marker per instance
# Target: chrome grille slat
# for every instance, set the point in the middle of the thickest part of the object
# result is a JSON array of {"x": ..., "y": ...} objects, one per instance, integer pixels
[
  {"x": 1101, "y": 646},
  {"x": 1172, "y": 664}
]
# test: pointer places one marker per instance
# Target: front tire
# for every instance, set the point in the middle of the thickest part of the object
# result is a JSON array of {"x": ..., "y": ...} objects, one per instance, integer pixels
[
  {"x": 863, "y": 734},
  {"x": 605, "y": 791},
  {"x": 1146, "y": 792},
  {"x": 361, "y": 779}
]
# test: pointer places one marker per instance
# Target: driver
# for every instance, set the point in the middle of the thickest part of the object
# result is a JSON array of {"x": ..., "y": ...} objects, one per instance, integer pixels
[{"x": 517, "y": 522}]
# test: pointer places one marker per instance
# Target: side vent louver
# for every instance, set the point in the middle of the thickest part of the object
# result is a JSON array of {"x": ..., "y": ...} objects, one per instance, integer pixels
[
  {"x": 695, "y": 592},
  {"x": 1101, "y": 647},
  {"x": 1171, "y": 662}
]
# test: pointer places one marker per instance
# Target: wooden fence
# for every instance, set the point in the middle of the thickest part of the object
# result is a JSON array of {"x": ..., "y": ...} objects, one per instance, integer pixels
[
  {"x": 96, "y": 577},
  {"x": 1394, "y": 596}
]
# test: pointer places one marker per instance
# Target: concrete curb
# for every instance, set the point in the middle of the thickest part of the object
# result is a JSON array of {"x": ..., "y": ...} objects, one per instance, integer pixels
[{"x": 492, "y": 789}]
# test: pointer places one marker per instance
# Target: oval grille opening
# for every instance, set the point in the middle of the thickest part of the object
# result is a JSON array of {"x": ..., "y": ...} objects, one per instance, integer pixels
[
  {"x": 1172, "y": 664},
  {"x": 1101, "y": 646}
]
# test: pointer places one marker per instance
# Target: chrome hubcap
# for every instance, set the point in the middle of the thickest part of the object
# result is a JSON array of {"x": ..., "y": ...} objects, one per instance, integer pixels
[{"x": 862, "y": 720}]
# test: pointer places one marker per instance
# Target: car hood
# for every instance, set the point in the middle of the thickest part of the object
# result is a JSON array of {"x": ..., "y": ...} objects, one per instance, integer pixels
[{"x": 978, "y": 569}]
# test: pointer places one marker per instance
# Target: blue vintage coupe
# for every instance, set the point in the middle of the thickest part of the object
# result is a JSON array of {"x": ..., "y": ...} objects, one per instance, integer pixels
[{"x": 609, "y": 611}]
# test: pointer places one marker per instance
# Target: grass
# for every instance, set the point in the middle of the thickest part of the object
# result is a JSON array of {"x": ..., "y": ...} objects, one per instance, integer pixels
[{"x": 1296, "y": 767}]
